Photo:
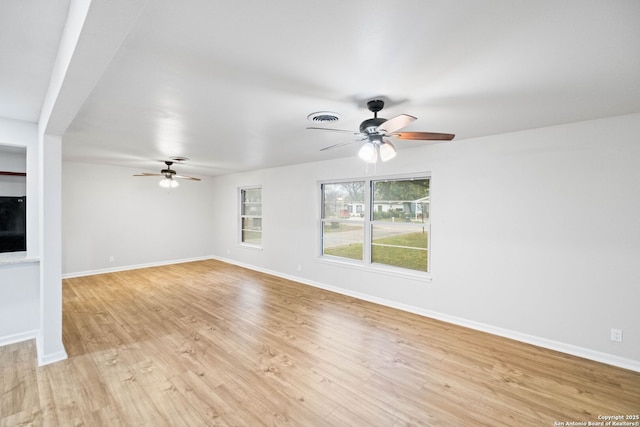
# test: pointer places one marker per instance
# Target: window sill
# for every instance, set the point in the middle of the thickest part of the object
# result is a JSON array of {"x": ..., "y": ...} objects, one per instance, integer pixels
[
  {"x": 377, "y": 268},
  {"x": 7, "y": 258},
  {"x": 250, "y": 246}
]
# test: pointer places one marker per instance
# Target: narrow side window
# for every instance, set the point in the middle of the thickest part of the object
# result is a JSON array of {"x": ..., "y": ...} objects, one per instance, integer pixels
[{"x": 251, "y": 216}]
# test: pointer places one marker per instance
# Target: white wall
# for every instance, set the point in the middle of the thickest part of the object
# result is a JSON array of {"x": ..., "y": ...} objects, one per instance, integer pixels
[
  {"x": 535, "y": 234},
  {"x": 19, "y": 302},
  {"x": 107, "y": 212}
]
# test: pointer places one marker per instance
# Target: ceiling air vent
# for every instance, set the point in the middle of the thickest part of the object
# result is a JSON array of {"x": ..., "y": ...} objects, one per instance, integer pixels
[
  {"x": 179, "y": 159},
  {"x": 323, "y": 117}
]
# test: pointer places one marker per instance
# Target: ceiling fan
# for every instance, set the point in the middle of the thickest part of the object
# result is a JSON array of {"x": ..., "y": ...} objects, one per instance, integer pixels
[
  {"x": 376, "y": 131},
  {"x": 169, "y": 180}
]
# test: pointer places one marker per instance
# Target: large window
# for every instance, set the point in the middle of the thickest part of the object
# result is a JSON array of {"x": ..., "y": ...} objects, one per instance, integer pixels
[
  {"x": 251, "y": 216},
  {"x": 383, "y": 222}
]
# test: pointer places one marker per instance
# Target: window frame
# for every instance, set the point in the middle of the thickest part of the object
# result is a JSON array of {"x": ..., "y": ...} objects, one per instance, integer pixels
[
  {"x": 242, "y": 216},
  {"x": 366, "y": 264},
  {"x": 339, "y": 220}
]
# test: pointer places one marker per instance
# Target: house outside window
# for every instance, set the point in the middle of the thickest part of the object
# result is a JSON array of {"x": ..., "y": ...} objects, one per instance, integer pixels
[
  {"x": 251, "y": 216},
  {"x": 379, "y": 222}
]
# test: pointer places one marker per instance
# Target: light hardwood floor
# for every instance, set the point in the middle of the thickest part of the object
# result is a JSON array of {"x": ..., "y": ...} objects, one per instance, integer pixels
[{"x": 207, "y": 343}]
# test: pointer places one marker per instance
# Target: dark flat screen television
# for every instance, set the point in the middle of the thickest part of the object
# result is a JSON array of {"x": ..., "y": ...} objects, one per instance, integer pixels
[{"x": 13, "y": 224}]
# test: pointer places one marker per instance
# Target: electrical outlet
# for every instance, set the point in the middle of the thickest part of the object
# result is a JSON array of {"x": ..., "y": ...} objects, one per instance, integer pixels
[
  {"x": 299, "y": 267},
  {"x": 112, "y": 258},
  {"x": 616, "y": 335}
]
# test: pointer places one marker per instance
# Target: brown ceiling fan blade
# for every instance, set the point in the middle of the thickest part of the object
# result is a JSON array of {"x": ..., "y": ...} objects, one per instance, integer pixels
[
  {"x": 7, "y": 173},
  {"x": 187, "y": 177},
  {"x": 148, "y": 174},
  {"x": 424, "y": 136},
  {"x": 335, "y": 130},
  {"x": 396, "y": 123}
]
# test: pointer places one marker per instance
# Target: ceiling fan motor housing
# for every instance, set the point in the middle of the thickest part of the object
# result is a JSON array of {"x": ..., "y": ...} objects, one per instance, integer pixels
[
  {"x": 370, "y": 126},
  {"x": 168, "y": 172},
  {"x": 375, "y": 105}
]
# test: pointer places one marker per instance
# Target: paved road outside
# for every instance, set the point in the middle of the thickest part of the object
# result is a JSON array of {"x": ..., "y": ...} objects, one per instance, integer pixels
[{"x": 334, "y": 239}]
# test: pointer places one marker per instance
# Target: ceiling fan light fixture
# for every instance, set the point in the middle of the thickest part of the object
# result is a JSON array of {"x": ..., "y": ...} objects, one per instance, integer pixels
[
  {"x": 387, "y": 151},
  {"x": 168, "y": 183},
  {"x": 368, "y": 153}
]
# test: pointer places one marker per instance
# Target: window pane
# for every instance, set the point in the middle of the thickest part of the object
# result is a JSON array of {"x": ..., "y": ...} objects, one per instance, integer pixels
[
  {"x": 343, "y": 200},
  {"x": 400, "y": 245},
  {"x": 252, "y": 195},
  {"x": 343, "y": 239},
  {"x": 252, "y": 224},
  {"x": 252, "y": 230},
  {"x": 252, "y": 209},
  {"x": 252, "y": 237},
  {"x": 403, "y": 200}
]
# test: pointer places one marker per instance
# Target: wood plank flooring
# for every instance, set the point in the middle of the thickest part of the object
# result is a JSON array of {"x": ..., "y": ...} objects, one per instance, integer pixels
[{"x": 207, "y": 343}]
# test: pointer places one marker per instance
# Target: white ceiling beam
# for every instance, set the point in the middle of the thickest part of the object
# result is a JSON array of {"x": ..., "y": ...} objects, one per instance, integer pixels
[{"x": 94, "y": 31}]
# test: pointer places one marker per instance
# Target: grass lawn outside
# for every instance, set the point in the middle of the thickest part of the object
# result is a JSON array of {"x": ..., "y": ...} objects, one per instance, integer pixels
[
  {"x": 333, "y": 227},
  {"x": 414, "y": 259},
  {"x": 351, "y": 251},
  {"x": 405, "y": 251}
]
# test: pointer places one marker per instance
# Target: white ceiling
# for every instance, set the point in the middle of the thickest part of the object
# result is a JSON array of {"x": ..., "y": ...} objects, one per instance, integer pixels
[
  {"x": 230, "y": 83},
  {"x": 30, "y": 31}
]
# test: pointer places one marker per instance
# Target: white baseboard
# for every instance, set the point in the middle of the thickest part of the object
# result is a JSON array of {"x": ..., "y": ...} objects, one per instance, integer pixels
[
  {"x": 43, "y": 359},
  {"x": 609, "y": 359},
  {"x": 131, "y": 267},
  {"x": 46, "y": 359},
  {"x": 23, "y": 336}
]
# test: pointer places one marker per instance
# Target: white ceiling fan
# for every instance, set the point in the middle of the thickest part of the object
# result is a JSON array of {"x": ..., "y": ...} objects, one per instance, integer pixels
[
  {"x": 169, "y": 176},
  {"x": 377, "y": 131}
]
